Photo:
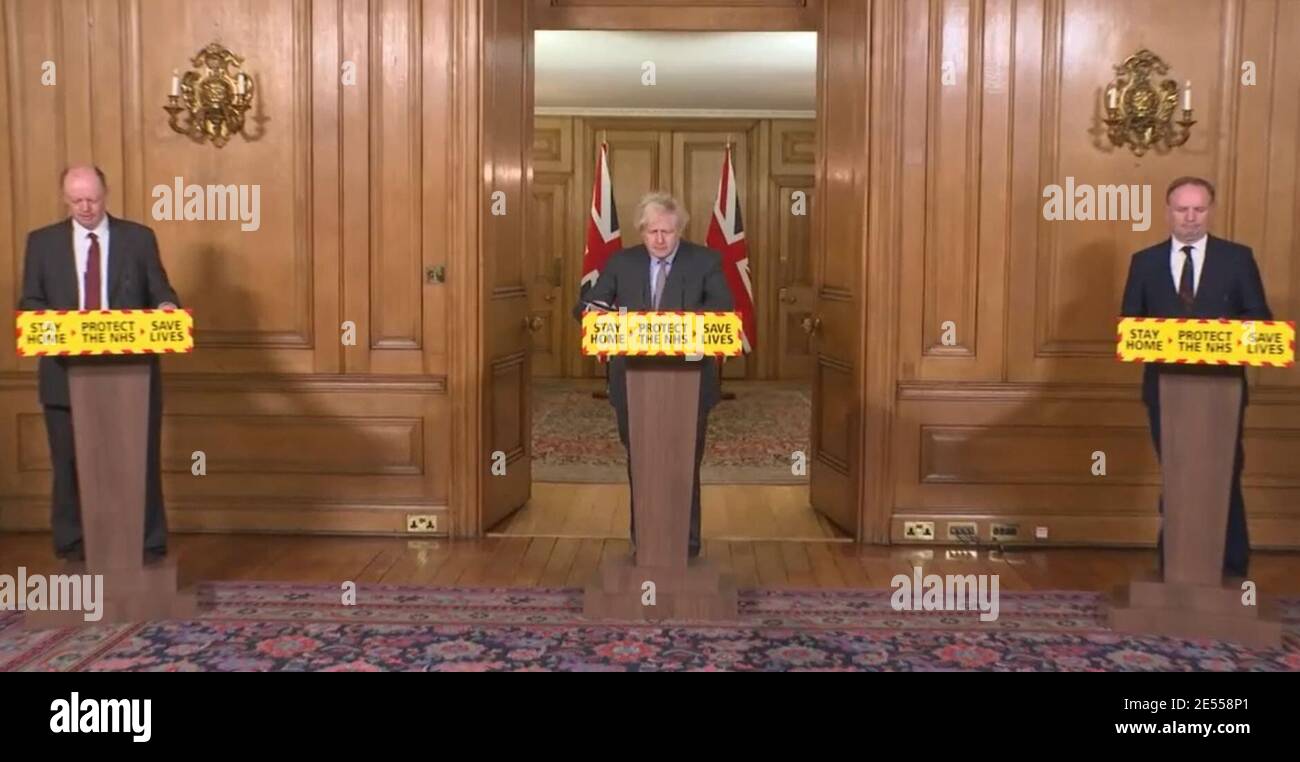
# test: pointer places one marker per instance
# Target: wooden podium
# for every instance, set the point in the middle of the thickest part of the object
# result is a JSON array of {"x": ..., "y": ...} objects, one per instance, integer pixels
[
  {"x": 658, "y": 581},
  {"x": 110, "y": 413},
  {"x": 662, "y": 407},
  {"x": 1199, "y": 416}
]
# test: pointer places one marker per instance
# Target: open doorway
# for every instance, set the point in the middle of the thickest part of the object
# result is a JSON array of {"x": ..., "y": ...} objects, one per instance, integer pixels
[{"x": 667, "y": 108}]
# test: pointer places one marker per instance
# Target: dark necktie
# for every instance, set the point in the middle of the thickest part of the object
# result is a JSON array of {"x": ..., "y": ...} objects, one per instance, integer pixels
[
  {"x": 1186, "y": 285},
  {"x": 661, "y": 277},
  {"x": 92, "y": 275}
]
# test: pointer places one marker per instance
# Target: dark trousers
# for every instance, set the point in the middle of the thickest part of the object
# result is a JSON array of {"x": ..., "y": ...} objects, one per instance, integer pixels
[
  {"x": 1236, "y": 542},
  {"x": 65, "y": 508},
  {"x": 693, "y": 544}
]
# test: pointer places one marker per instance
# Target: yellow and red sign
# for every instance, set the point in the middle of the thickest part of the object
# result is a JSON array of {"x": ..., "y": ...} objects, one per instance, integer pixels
[
  {"x": 711, "y": 334},
  {"x": 1268, "y": 343},
  {"x": 68, "y": 333}
]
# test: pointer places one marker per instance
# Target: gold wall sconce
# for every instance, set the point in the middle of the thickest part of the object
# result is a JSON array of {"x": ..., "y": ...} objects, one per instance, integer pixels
[
  {"x": 1139, "y": 113},
  {"x": 210, "y": 104}
]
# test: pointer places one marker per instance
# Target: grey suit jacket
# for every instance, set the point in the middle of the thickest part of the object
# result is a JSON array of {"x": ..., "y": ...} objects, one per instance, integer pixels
[
  {"x": 695, "y": 284},
  {"x": 136, "y": 280}
]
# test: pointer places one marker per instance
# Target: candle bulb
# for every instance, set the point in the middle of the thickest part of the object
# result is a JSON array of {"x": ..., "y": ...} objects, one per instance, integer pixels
[
  {"x": 1114, "y": 98},
  {"x": 1187, "y": 96},
  {"x": 176, "y": 83},
  {"x": 241, "y": 83}
]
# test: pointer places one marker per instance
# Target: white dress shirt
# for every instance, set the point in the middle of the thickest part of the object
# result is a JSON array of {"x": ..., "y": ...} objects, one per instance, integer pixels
[
  {"x": 1176, "y": 259},
  {"x": 81, "y": 245}
]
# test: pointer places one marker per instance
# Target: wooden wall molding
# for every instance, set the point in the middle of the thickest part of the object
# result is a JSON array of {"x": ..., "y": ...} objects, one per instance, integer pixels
[
  {"x": 464, "y": 32},
  {"x": 678, "y": 15}
]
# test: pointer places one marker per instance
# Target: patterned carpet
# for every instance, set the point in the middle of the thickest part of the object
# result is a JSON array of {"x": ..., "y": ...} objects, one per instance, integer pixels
[
  {"x": 750, "y": 438},
  {"x": 280, "y": 626}
]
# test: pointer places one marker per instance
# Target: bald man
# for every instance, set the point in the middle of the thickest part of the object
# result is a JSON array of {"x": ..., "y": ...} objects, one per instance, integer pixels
[
  {"x": 1193, "y": 275},
  {"x": 92, "y": 260}
]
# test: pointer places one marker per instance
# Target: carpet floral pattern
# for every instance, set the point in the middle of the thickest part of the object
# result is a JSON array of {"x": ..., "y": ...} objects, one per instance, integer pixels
[{"x": 250, "y": 626}]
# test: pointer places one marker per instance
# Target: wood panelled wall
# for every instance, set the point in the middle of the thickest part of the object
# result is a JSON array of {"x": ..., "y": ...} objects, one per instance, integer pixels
[
  {"x": 773, "y": 160},
  {"x": 301, "y": 430},
  {"x": 1003, "y": 423},
  {"x": 941, "y": 122}
]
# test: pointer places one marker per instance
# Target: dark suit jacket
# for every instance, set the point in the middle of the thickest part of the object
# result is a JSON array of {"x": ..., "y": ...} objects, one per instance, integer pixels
[
  {"x": 136, "y": 280},
  {"x": 695, "y": 284},
  {"x": 1230, "y": 288}
]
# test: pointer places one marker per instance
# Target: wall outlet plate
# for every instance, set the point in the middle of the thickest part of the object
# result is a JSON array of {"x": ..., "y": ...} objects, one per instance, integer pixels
[{"x": 421, "y": 523}]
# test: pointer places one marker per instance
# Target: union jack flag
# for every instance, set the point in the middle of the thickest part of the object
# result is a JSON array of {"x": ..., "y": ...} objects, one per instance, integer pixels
[
  {"x": 727, "y": 235},
  {"x": 603, "y": 236}
]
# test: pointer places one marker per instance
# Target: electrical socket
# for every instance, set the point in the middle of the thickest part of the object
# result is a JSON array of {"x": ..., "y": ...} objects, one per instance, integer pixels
[
  {"x": 421, "y": 523},
  {"x": 1004, "y": 531},
  {"x": 918, "y": 530},
  {"x": 966, "y": 531}
]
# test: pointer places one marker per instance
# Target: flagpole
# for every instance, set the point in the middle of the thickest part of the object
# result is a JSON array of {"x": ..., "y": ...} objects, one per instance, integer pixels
[
  {"x": 603, "y": 392},
  {"x": 722, "y": 360}
]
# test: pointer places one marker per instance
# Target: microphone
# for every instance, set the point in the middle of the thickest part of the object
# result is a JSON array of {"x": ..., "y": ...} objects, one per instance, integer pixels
[{"x": 599, "y": 306}]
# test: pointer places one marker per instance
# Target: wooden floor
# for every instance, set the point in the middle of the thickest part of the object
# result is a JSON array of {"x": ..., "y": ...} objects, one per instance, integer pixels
[
  {"x": 570, "y": 562},
  {"x": 727, "y": 512}
]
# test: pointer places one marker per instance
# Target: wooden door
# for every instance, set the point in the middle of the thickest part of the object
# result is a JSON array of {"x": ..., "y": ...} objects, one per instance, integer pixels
[
  {"x": 507, "y": 99},
  {"x": 835, "y": 325}
]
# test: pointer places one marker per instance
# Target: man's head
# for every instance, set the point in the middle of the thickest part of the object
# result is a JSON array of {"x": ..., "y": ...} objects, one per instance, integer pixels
[
  {"x": 1188, "y": 206},
  {"x": 85, "y": 191},
  {"x": 661, "y": 219}
]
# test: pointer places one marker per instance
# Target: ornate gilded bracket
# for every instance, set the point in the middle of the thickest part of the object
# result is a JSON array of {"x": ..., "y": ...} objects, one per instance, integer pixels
[
  {"x": 209, "y": 105},
  {"x": 1140, "y": 113}
]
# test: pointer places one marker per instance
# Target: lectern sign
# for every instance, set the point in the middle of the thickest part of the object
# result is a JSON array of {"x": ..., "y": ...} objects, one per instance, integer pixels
[
  {"x": 104, "y": 332},
  {"x": 662, "y": 333},
  {"x": 1268, "y": 343}
]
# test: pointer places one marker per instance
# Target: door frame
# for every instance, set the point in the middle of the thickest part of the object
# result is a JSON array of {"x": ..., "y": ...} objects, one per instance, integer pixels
[{"x": 874, "y": 80}]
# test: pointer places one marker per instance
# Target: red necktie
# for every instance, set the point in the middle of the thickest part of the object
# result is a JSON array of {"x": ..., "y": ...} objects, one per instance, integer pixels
[{"x": 92, "y": 275}]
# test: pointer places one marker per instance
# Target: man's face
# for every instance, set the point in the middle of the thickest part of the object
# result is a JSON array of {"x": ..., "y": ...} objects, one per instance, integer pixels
[
  {"x": 84, "y": 195},
  {"x": 1188, "y": 213},
  {"x": 660, "y": 232}
]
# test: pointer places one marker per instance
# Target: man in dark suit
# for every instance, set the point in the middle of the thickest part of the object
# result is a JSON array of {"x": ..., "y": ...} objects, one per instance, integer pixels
[
  {"x": 1195, "y": 275},
  {"x": 663, "y": 273},
  {"x": 93, "y": 261}
]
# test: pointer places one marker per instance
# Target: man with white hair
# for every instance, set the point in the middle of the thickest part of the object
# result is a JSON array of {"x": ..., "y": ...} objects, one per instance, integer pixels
[
  {"x": 662, "y": 273},
  {"x": 93, "y": 261}
]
